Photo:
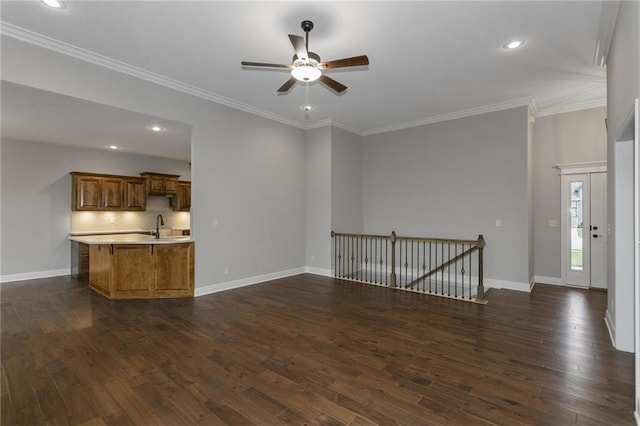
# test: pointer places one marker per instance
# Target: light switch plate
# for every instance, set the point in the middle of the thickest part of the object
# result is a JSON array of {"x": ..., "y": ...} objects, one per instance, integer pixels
[
  {"x": 553, "y": 223},
  {"x": 498, "y": 223}
]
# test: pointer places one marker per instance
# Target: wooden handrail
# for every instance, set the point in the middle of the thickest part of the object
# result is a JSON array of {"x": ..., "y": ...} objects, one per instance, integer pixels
[{"x": 421, "y": 239}]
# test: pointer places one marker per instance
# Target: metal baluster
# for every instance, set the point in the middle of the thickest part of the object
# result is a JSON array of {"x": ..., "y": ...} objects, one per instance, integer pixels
[
  {"x": 360, "y": 263},
  {"x": 411, "y": 262},
  {"x": 455, "y": 271},
  {"x": 386, "y": 262},
  {"x": 442, "y": 270},
  {"x": 375, "y": 258},
  {"x": 406, "y": 263},
  {"x": 430, "y": 267}
]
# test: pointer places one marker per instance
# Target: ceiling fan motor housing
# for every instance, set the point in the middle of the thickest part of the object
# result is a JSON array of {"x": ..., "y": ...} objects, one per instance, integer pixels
[
  {"x": 306, "y": 26},
  {"x": 314, "y": 60}
]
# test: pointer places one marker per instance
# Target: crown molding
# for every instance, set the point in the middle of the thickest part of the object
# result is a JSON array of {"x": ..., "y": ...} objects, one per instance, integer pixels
[
  {"x": 334, "y": 123},
  {"x": 451, "y": 116},
  {"x": 606, "y": 28},
  {"x": 58, "y": 46},
  {"x": 594, "y": 103}
]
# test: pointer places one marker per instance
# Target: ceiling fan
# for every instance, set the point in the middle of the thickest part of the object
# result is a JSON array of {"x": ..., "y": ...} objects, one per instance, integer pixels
[{"x": 306, "y": 66}]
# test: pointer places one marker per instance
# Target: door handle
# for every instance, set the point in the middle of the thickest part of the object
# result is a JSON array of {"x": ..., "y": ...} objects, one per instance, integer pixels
[{"x": 595, "y": 235}]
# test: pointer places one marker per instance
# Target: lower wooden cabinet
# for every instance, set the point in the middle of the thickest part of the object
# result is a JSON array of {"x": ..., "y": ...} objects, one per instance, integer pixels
[{"x": 138, "y": 271}]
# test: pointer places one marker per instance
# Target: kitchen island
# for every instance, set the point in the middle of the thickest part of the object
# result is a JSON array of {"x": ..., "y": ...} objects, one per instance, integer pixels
[{"x": 140, "y": 266}]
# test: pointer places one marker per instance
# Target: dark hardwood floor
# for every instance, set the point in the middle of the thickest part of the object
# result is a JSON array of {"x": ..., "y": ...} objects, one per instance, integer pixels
[{"x": 309, "y": 350}]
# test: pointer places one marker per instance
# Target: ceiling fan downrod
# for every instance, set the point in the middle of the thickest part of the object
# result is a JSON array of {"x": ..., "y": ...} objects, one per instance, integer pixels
[{"x": 306, "y": 27}]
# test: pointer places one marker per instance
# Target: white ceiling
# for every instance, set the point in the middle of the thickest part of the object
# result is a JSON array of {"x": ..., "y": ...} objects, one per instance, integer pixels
[
  {"x": 35, "y": 115},
  {"x": 428, "y": 60}
]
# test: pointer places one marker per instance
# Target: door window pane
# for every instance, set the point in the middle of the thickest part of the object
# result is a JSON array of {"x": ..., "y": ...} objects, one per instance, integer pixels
[{"x": 577, "y": 226}]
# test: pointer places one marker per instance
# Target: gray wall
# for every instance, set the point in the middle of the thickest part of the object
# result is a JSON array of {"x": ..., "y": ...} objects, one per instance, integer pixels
[
  {"x": 623, "y": 86},
  {"x": 318, "y": 197},
  {"x": 36, "y": 198},
  {"x": 455, "y": 179},
  {"x": 247, "y": 172},
  {"x": 346, "y": 181},
  {"x": 572, "y": 137}
]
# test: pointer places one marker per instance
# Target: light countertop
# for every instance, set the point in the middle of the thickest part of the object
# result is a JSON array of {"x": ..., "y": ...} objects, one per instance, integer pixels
[{"x": 130, "y": 239}]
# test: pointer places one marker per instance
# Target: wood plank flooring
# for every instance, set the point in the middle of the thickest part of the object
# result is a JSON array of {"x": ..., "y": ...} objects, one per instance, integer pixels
[{"x": 309, "y": 350}]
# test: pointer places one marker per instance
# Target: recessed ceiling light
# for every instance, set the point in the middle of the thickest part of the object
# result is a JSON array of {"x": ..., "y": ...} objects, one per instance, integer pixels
[
  {"x": 307, "y": 108},
  {"x": 56, "y": 4},
  {"x": 156, "y": 128},
  {"x": 513, "y": 44},
  {"x": 113, "y": 147}
]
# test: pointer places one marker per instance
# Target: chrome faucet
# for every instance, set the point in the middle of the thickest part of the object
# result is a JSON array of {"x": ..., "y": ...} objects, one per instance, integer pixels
[{"x": 159, "y": 222}]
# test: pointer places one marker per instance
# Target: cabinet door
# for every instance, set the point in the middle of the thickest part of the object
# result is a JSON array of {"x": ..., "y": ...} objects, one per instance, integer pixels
[
  {"x": 134, "y": 198},
  {"x": 182, "y": 201},
  {"x": 100, "y": 267},
  {"x": 87, "y": 194},
  {"x": 133, "y": 270},
  {"x": 171, "y": 186},
  {"x": 112, "y": 193},
  {"x": 155, "y": 185},
  {"x": 174, "y": 269}
]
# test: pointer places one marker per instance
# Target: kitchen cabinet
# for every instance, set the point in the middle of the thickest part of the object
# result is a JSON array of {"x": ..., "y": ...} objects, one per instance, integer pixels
[
  {"x": 142, "y": 271},
  {"x": 100, "y": 267},
  {"x": 160, "y": 184},
  {"x": 96, "y": 192},
  {"x": 134, "y": 194},
  {"x": 182, "y": 201},
  {"x": 79, "y": 260}
]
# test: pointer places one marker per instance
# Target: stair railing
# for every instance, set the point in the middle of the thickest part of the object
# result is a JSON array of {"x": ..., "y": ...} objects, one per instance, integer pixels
[{"x": 435, "y": 266}]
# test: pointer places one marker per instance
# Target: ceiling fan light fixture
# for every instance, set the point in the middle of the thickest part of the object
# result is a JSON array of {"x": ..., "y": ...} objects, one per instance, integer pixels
[{"x": 306, "y": 73}]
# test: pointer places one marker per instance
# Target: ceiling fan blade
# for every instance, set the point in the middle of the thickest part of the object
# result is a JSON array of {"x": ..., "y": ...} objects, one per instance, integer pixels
[
  {"x": 262, "y": 64},
  {"x": 338, "y": 87},
  {"x": 346, "y": 62},
  {"x": 299, "y": 46},
  {"x": 287, "y": 85}
]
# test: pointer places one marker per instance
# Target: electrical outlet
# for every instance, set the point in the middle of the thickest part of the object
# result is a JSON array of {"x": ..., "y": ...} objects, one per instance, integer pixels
[
  {"x": 313, "y": 258},
  {"x": 215, "y": 223},
  {"x": 498, "y": 223},
  {"x": 227, "y": 270},
  {"x": 112, "y": 219}
]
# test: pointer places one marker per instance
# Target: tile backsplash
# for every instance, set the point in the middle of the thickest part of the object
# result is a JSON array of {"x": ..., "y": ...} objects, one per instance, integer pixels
[{"x": 85, "y": 221}]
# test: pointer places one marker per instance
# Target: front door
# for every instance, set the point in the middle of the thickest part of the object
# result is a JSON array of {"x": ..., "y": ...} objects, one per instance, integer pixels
[{"x": 584, "y": 228}]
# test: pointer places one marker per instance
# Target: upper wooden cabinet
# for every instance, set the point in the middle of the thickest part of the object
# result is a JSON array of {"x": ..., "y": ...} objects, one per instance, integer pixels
[
  {"x": 96, "y": 192},
  {"x": 92, "y": 191},
  {"x": 134, "y": 194},
  {"x": 182, "y": 201},
  {"x": 160, "y": 184}
]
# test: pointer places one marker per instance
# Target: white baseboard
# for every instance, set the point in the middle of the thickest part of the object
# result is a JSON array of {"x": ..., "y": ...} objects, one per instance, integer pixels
[
  {"x": 610, "y": 326},
  {"x": 34, "y": 275},
  {"x": 319, "y": 271},
  {"x": 548, "y": 280},
  {"x": 214, "y": 288},
  {"x": 507, "y": 285},
  {"x": 636, "y": 416}
]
